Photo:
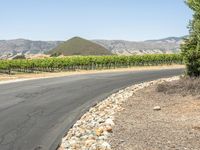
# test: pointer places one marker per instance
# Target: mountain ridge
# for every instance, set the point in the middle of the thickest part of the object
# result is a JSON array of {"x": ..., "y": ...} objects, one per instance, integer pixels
[{"x": 120, "y": 47}]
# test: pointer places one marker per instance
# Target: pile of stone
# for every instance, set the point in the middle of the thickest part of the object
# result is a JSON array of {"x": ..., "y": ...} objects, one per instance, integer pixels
[{"x": 92, "y": 131}]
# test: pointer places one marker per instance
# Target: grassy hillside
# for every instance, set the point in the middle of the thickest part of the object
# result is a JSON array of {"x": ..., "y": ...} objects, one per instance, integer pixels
[{"x": 79, "y": 46}]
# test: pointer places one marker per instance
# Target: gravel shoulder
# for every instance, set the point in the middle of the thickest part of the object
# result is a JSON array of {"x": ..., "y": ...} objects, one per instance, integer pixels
[
  {"x": 140, "y": 117},
  {"x": 30, "y": 76},
  {"x": 175, "y": 126}
]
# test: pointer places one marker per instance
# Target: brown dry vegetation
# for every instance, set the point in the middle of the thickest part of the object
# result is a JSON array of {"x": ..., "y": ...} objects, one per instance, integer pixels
[{"x": 185, "y": 86}]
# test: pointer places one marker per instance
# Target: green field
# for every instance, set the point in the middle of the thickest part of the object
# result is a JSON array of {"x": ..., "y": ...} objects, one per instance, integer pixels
[{"x": 87, "y": 63}]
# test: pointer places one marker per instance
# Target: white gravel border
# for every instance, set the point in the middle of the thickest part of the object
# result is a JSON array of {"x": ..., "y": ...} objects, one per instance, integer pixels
[{"x": 92, "y": 131}]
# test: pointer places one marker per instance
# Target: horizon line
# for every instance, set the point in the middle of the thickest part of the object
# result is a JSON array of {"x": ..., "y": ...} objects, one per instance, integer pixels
[{"x": 92, "y": 39}]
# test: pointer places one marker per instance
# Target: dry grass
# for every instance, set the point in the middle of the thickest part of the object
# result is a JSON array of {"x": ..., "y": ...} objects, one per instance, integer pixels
[{"x": 184, "y": 86}]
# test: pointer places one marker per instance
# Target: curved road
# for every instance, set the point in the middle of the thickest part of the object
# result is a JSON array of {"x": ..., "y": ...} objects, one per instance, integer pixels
[{"x": 34, "y": 114}]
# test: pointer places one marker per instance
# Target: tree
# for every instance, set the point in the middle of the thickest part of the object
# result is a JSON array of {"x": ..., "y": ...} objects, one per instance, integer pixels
[{"x": 191, "y": 47}]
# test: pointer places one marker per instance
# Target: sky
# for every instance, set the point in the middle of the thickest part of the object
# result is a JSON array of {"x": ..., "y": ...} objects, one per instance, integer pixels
[{"x": 134, "y": 20}]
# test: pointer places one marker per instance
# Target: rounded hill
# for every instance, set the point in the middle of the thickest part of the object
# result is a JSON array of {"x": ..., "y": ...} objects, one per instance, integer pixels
[{"x": 79, "y": 46}]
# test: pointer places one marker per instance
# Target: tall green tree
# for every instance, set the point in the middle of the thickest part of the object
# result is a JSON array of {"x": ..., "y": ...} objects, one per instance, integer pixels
[{"x": 191, "y": 47}]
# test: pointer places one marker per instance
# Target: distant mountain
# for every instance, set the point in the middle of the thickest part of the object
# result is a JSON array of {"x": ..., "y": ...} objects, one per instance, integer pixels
[
  {"x": 79, "y": 46},
  {"x": 120, "y": 47},
  {"x": 26, "y": 46},
  {"x": 9, "y": 48}
]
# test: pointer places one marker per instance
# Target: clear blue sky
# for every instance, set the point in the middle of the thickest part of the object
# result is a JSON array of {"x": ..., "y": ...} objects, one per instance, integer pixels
[{"x": 93, "y": 19}]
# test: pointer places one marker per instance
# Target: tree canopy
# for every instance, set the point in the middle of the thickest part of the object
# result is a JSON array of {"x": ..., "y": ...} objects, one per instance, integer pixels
[{"x": 191, "y": 47}]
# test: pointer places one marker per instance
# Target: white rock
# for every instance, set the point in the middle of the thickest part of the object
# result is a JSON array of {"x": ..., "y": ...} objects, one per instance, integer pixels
[
  {"x": 88, "y": 143},
  {"x": 157, "y": 108},
  {"x": 101, "y": 120},
  {"x": 105, "y": 146},
  {"x": 110, "y": 122},
  {"x": 71, "y": 142},
  {"x": 102, "y": 138}
]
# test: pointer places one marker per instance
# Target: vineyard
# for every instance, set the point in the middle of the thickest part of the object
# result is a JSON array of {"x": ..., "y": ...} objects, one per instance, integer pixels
[{"x": 86, "y": 63}]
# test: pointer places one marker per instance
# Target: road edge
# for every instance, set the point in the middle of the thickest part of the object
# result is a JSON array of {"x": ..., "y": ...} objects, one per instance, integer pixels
[
  {"x": 63, "y": 74},
  {"x": 99, "y": 120}
]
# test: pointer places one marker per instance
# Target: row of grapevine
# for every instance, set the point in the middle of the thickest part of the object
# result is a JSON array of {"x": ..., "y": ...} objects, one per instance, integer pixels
[{"x": 87, "y": 62}]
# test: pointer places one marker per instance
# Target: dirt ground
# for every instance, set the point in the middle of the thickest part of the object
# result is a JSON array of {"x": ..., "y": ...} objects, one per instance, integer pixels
[
  {"x": 4, "y": 77},
  {"x": 175, "y": 127}
]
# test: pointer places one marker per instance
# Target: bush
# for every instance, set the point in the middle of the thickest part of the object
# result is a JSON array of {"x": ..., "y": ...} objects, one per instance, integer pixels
[{"x": 185, "y": 86}]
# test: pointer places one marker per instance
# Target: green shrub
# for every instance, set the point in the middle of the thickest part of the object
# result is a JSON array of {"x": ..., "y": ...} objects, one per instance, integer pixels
[{"x": 191, "y": 47}]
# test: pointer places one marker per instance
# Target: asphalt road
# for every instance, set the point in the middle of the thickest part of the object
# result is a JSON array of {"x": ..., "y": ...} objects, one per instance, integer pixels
[{"x": 35, "y": 114}]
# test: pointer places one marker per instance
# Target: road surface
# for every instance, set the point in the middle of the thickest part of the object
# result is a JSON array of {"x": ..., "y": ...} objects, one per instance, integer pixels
[{"x": 35, "y": 114}]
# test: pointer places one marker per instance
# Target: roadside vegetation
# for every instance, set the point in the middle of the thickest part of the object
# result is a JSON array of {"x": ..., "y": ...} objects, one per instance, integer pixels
[
  {"x": 87, "y": 63},
  {"x": 191, "y": 46},
  {"x": 185, "y": 86}
]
